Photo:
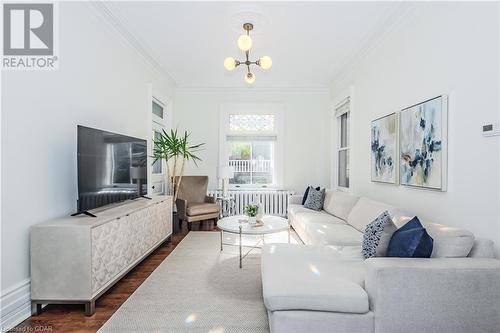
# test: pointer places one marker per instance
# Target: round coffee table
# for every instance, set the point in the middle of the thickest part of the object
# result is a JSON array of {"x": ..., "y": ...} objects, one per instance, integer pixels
[{"x": 232, "y": 224}]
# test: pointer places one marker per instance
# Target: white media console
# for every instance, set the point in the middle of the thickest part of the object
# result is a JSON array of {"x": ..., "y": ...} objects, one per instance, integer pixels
[{"x": 76, "y": 259}]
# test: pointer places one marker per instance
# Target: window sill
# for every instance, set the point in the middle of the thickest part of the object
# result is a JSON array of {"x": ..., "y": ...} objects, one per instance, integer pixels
[
  {"x": 249, "y": 188},
  {"x": 343, "y": 189}
]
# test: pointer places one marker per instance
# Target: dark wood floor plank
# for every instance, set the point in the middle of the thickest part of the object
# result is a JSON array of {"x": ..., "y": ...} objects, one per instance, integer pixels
[{"x": 71, "y": 317}]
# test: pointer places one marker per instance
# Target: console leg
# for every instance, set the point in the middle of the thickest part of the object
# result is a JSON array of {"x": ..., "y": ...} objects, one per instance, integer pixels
[
  {"x": 90, "y": 308},
  {"x": 36, "y": 308}
]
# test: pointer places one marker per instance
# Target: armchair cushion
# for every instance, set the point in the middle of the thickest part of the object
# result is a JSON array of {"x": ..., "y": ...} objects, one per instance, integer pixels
[{"x": 195, "y": 208}]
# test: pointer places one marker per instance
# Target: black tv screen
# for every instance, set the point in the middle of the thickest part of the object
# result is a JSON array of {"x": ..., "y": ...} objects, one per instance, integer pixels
[{"x": 111, "y": 167}]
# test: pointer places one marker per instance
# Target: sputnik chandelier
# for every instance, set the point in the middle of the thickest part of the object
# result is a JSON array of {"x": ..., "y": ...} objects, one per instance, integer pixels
[{"x": 245, "y": 44}]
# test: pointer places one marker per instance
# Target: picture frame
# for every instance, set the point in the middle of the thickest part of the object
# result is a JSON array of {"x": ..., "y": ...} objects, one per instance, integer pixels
[
  {"x": 423, "y": 144},
  {"x": 384, "y": 150}
]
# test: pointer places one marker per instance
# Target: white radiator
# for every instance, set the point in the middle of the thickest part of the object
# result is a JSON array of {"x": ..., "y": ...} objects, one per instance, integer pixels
[{"x": 274, "y": 202}]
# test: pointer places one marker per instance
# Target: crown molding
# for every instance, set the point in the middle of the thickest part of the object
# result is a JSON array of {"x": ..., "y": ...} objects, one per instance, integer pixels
[
  {"x": 373, "y": 40},
  {"x": 232, "y": 90},
  {"x": 107, "y": 14}
]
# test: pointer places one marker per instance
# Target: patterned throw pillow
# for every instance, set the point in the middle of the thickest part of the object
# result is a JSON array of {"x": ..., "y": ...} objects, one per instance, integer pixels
[
  {"x": 306, "y": 193},
  {"x": 377, "y": 236},
  {"x": 315, "y": 199}
]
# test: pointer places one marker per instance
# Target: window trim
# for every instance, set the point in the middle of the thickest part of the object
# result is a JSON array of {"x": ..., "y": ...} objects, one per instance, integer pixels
[
  {"x": 157, "y": 124},
  {"x": 275, "y": 109},
  {"x": 155, "y": 117},
  {"x": 341, "y": 108}
]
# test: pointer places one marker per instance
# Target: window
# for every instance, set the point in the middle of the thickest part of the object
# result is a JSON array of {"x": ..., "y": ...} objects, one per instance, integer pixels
[
  {"x": 251, "y": 145},
  {"x": 157, "y": 166},
  {"x": 251, "y": 122},
  {"x": 342, "y": 115},
  {"x": 252, "y": 161}
]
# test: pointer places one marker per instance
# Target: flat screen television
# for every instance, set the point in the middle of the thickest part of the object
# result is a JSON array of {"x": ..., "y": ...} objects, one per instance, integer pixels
[{"x": 111, "y": 167}]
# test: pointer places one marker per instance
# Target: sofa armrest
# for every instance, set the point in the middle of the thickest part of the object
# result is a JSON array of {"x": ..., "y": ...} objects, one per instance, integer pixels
[
  {"x": 434, "y": 295},
  {"x": 295, "y": 199},
  {"x": 181, "y": 208},
  {"x": 210, "y": 199}
]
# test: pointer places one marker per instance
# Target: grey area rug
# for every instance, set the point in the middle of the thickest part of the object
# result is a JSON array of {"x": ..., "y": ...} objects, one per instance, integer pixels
[{"x": 197, "y": 288}]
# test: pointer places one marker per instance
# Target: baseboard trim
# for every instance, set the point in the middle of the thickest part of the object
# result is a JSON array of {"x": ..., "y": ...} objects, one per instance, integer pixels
[{"x": 15, "y": 305}]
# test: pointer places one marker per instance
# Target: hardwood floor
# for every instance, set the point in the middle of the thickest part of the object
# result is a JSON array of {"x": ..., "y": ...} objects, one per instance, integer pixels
[{"x": 71, "y": 318}]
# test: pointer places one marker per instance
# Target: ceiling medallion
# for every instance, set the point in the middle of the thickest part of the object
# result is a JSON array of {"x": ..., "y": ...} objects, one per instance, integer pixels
[{"x": 245, "y": 44}]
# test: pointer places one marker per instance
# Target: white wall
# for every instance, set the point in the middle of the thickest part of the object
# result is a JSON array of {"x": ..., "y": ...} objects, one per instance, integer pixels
[
  {"x": 439, "y": 48},
  {"x": 102, "y": 82},
  {"x": 306, "y": 151}
]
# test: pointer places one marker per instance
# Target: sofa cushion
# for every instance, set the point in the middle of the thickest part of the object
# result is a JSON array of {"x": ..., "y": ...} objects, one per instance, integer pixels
[
  {"x": 202, "y": 208},
  {"x": 294, "y": 209},
  {"x": 333, "y": 234},
  {"x": 482, "y": 248},
  {"x": 449, "y": 242},
  {"x": 339, "y": 203},
  {"x": 298, "y": 211},
  {"x": 367, "y": 210},
  {"x": 347, "y": 251},
  {"x": 298, "y": 277}
]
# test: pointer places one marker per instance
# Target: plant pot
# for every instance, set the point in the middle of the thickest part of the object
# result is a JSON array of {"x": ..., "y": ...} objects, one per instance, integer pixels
[{"x": 252, "y": 219}]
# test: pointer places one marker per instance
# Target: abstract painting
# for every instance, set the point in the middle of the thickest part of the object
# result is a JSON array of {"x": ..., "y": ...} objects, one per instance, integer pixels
[
  {"x": 423, "y": 130},
  {"x": 384, "y": 149}
]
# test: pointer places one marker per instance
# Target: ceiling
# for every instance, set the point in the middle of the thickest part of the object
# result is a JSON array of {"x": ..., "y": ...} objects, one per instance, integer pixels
[{"x": 309, "y": 42}]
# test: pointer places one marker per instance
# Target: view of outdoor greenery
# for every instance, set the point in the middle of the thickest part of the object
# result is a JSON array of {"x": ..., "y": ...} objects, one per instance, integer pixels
[{"x": 252, "y": 161}]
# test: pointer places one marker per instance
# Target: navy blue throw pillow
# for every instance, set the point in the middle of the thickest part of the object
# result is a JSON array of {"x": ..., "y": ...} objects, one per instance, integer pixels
[
  {"x": 411, "y": 241},
  {"x": 306, "y": 193}
]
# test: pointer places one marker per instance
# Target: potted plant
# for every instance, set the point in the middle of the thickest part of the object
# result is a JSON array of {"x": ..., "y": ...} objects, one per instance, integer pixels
[
  {"x": 251, "y": 211},
  {"x": 176, "y": 151}
]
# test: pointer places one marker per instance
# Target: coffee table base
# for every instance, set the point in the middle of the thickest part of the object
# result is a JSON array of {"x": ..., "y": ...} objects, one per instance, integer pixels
[{"x": 241, "y": 246}]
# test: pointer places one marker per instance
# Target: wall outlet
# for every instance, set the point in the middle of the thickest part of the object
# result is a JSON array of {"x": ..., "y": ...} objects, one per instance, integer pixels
[{"x": 491, "y": 129}]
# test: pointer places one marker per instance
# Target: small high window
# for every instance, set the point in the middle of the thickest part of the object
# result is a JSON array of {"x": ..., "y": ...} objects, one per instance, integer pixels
[{"x": 251, "y": 122}]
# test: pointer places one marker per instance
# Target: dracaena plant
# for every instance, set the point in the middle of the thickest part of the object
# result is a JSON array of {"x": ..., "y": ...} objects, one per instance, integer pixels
[{"x": 176, "y": 151}]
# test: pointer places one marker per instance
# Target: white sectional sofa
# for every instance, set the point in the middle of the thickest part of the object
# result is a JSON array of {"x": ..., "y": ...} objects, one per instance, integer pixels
[{"x": 327, "y": 286}]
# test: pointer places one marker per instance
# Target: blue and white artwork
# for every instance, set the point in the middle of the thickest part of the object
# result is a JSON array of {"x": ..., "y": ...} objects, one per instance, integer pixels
[
  {"x": 384, "y": 149},
  {"x": 422, "y": 144}
]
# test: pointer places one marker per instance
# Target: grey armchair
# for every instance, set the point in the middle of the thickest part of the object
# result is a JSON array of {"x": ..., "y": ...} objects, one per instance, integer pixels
[{"x": 193, "y": 204}]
